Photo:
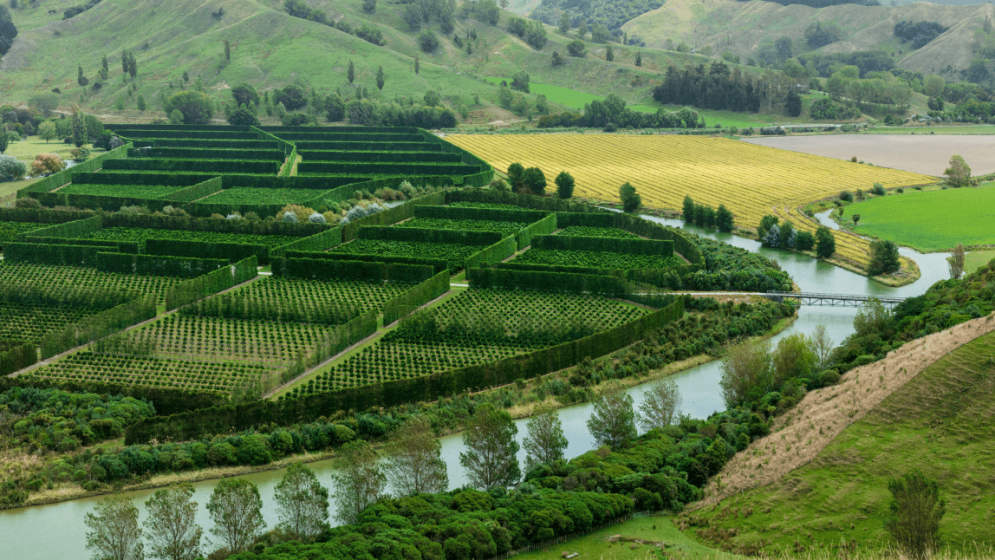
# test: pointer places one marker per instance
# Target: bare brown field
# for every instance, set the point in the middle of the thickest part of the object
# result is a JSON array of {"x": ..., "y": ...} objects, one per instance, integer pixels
[
  {"x": 928, "y": 155},
  {"x": 800, "y": 435}
]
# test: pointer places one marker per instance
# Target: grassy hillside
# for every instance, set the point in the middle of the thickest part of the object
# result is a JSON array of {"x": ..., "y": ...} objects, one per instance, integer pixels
[
  {"x": 271, "y": 49},
  {"x": 940, "y": 420},
  {"x": 742, "y": 26}
]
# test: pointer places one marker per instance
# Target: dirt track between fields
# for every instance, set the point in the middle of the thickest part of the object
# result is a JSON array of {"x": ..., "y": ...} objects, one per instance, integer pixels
[
  {"x": 800, "y": 435},
  {"x": 919, "y": 153}
]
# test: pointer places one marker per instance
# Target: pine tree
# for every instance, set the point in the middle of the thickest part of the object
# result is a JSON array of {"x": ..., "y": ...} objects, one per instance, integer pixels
[
  {"x": 351, "y": 73},
  {"x": 417, "y": 64},
  {"x": 227, "y": 49},
  {"x": 381, "y": 79},
  {"x": 639, "y": 58},
  {"x": 609, "y": 54}
]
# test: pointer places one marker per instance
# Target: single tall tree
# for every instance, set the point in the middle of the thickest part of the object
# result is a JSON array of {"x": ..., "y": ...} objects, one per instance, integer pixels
[
  {"x": 609, "y": 54},
  {"x": 351, "y": 73},
  {"x": 47, "y": 131},
  {"x": 688, "y": 208},
  {"x": 639, "y": 58},
  {"x": 381, "y": 79},
  {"x": 172, "y": 524},
  {"x": 916, "y": 509},
  {"x": 564, "y": 185},
  {"x": 884, "y": 257},
  {"x": 724, "y": 220},
  {"x": 417, "y": 64},
  {"x": 825, "y": 242},
  {"x": 956, "y": 261},
  {"x": 360, "y": 482},
  {"x": 415, "y": 464},
  {"x": 661, "y": 405},
  {"x": 81, "y": 79},
  {"x": 631, "y": 201},
  {"x": 959, "y": 173},
  {"x": 236, "y": 510},
  {"x": 613, "y": 422},
  {"x": 114, "y": 531},
  {"x": 490, "y": 459},
  {"x": 227, "y": 48},
  {"x": 545, "y": 441},
  {"x": 565, "y": 23},
  {"x": 302, "y": 502},
  {"x": 79, "y": 127},
  {"x": 746, "y": 372},
  {"x": 822, "y": 344},
  {"x": 369, "y": 6}
]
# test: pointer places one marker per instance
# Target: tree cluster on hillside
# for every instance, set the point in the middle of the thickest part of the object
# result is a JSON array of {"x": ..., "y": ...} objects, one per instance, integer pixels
[
  {"x": 77, "y": 10},
  {"x": 588, "y": 14},
  {"x": 532, "y": 32},
  {"x": 919, "y": 34},
  {"x": 825, "y": 3},
  {"x": 299, "y": 9},
  {"x": 7, "y": 30},
  {"x": 716, "y": 87},
  {"x": 611, "y": 113},
  {"x": 865, "y": 61}
]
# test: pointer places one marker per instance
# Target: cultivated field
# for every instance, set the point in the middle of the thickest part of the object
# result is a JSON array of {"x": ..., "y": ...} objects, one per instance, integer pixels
[
  {"x": 930, "y": 221},
  {"x": 751, "y": 181},
  {"x": 919, "y": 153}
]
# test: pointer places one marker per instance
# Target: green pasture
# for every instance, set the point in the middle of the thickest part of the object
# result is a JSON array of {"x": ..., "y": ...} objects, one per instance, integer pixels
[
  {"x": 930, "y": 220},
  {"x": 976, "y": 259}
]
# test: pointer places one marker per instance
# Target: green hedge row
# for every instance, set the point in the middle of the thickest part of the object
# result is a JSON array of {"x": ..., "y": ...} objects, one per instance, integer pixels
[
  {"x": 123, "y": 263},
  {"x": 195, "y": 192},
  {"x": 75, "y": 229},
  {"x": 554, "y": 268},
  {"x": 59, "y": 179},
  {"x": 200, "y": 153},
  {"x": 229, "y": 252},
  {"x": 98, "y": 326},
  {"x": 404, "y": 304},
  {"x": 347, "y": 136},
  {"x": 193, "y": 165},
  {"x": 277, "y": 182},
  {"x": 288, "y": 165},
  {"x": 382, "y": 156},
  {"x": 354, "y": 270},
  {"x": 98, "y": 202},
  {"x": 130, "y": 247},
  {"x": 187, "y": 134},
  {"x": 157, "y": 265},
  {"x": 17, "y": 356},
  {"x": 123, "y": 178},
  {"x": 41, "y": 216},
  {"x": 491, "y": 214},
  {"x": 438, "y": 265},
  {"x": 650, "y": 230},
  {"x": 37, "y": 253},
  {"x": 222, "y": 279},
  {"x": 323, "y": 167},
  {"x": 222, "y": 144},
  {"x": 346, "y": 145},
  {"x": 486, "y": 170},
  {"x": 285, "y": 147},
  {"x": 123, "y": 128},
  {"x": 545, "y": 226},
  {"x": 224, "y": 419},
  {"x": 391, "y": 215},
  {"x": 493, "y": 254},
  {"x": 350, "y": 130},
  {"x": 585, "y": 219},
  {"x": 522, "y": 200},
  {"x": 604, "y": 244},
  {"x": 299, "y": 229},
  {"x": 318, "y": 242},
  {"x": 541, "y": 281},
  {"x": 430, "y": 235}
]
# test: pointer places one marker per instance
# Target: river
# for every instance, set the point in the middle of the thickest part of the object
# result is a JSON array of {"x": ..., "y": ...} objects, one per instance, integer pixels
[{"x": 58, "y": 531}]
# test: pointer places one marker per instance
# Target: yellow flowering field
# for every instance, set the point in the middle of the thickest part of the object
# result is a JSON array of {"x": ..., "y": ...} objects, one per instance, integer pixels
[{"x": 750, "y": 180}]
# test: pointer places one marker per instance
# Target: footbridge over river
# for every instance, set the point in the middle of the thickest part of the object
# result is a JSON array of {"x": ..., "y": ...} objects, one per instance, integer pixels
[{"x": 829, "y": 300}]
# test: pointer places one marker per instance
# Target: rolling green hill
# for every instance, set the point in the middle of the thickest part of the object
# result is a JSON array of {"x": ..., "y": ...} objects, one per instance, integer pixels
[
  {"x": 742, "y": 26},
  {"x": 271, "y": 49}
]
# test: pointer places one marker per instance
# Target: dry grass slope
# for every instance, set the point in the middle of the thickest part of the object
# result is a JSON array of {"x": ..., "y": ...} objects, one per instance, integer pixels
[{"x": 800, "y": 436}]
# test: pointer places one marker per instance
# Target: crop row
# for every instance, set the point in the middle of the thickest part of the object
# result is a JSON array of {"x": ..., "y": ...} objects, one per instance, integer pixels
[
  {"x": 464, "y": 225},
  {"x": 215, "y": 377},
  {"x": 59, "y": 276},
  {"x": 474, "y": 327},
  {"x": 588, "y": 231},
  {"x": 211, "y": 339},
  {"x": 30, "y": 322},
  {"x": 454, "y": 254},
  {"x": 142, "y": 234},
  {"x": 361, "y": 295},
  {"x": 484, "y": 205},
  {"x": 595, "y": 259}
]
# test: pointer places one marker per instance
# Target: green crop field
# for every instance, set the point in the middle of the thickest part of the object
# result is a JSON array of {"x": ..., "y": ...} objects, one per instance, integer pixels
[
  {"x": 130, "y": 191},
  {"x": 454, "y": 254},
  {"x": 361, "y": 296},
  {"x": 587, "y": 231},
  {"x": 474, "y": 327},
  {"x": 464, "y": 225},
  {"x": 9, "y": 230},
  {"x": 931, "y": 221},
  {"x": 143, "y": 234},
  {"x": 29, "y": 322},
  {"x": 51, "y": 276},
  {"x": 595, "y": 259},
  {"x": 976, "y": 259}
]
